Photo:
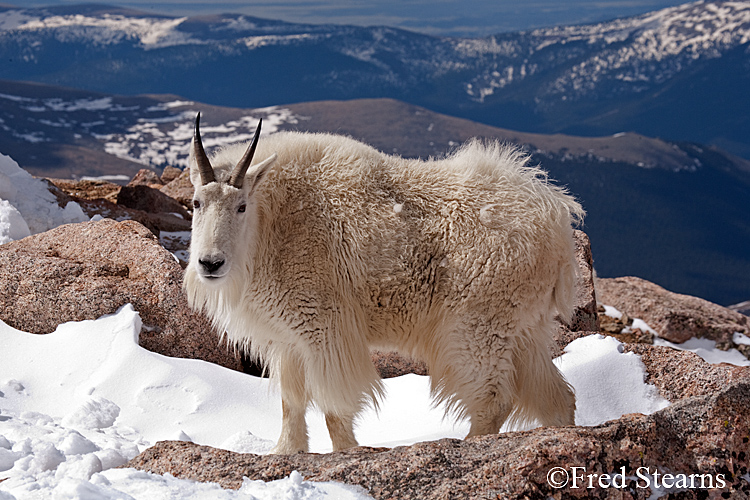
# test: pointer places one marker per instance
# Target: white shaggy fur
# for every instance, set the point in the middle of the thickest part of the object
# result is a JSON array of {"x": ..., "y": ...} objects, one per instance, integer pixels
[{"x": 462, "y": 262}]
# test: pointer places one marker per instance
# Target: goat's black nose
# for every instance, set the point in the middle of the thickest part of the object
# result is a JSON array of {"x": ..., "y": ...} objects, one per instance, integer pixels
[{"x": 211, "y": 265}]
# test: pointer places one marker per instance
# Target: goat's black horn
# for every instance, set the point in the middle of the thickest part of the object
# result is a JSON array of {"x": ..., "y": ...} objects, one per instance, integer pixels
[
  {"x": 238, "y": 174},
  {"x": 204, "y": 166}
]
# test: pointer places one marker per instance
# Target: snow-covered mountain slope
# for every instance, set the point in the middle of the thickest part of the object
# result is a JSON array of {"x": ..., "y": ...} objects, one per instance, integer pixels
[
  {"x": 678, "y": 72},
  {"x": 69, "y": 133},
  {"x": 621, "y": 49},
  {"x": 630, "y": 54}
]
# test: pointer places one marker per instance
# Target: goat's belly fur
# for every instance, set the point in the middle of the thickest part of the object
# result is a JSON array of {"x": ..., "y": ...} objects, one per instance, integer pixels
[{"x": 463, "y": 263}]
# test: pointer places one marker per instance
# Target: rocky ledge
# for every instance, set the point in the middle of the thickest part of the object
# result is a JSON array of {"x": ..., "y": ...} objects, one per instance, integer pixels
[{"x": 701, "y": 442}]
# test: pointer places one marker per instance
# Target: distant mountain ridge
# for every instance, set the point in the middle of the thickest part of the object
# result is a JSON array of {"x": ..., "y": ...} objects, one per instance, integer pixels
[
  {"x": 154, "y": 131},
  {"x": 678, "y": 73}
]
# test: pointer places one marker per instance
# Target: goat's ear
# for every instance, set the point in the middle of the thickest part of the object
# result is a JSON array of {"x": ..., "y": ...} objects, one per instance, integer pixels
[{"x": 256, "y": 173}]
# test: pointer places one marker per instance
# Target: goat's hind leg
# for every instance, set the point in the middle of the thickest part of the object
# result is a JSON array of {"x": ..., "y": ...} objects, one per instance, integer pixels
[
  {"x": 489, "y": 402},
  {"x": 480, "y": 378},
  {"x": 490, "y": 419},
  {"x": 544, "y": 394},
  {"x": 341, "y": 430}
]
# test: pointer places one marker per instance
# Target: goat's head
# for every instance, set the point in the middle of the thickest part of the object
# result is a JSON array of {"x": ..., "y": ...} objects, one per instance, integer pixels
[{"x": 224, "y": 212}]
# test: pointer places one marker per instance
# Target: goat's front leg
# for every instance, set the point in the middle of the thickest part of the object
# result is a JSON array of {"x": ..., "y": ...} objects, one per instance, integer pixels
[
  {"x": 294, "y": 400},
  {"x": 293, "y": 430}
]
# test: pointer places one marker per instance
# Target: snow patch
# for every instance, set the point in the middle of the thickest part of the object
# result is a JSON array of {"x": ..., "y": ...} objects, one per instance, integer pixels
[
  {"x": 108, "y": 29},
  {"x": 707, "y": 350},
  {"x": 162, "y": 141},
  {"x": 639, "y": 324},
  {"x": 740, "y": 339},
  {"x": 608, "y": 381},
  {"x": 612, "y": 312},
  {"x": 27, "y": 206}
]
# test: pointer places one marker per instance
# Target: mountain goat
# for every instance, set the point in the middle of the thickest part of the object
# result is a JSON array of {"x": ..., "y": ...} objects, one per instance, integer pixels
[{"x": 328, "y": 248}]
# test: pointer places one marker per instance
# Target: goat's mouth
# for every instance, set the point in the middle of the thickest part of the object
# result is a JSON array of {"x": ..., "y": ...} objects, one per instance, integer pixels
[{"x": 213, "y": 277}]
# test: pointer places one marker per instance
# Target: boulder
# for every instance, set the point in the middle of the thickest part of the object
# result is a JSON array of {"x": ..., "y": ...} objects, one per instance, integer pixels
[
  {"x": 181, "y": 189},
  {"x": 682, "y": 374},
  {"x": 703, "y": 434},
  {"x": 100, "y": 198},
  {"x": 146, "y": 177},
  {"x": 674, "y": 316},
  {"x": 150, "y": 200},
  {"x": 83, "y": 271},
  {"x": 169, "y": 174},
  {"x": 87, "y": 189}
]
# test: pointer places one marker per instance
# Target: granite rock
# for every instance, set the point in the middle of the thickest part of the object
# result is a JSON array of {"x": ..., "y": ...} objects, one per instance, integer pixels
[
  {"x": 150, "y": 200},
  {"x": 585, "y": 317},
  {"x": 674, "y": 316},
  {"x": 146, "y": 177},
  {"x": 181, "y": 189}
]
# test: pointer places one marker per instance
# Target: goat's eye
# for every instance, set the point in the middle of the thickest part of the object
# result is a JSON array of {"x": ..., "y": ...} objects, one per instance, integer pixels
[
  {"x": 196, "y": 204},
  {"x": 242, "y": 208}
]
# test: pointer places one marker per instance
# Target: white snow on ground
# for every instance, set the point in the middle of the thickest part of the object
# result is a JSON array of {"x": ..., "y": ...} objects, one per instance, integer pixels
[
  {"x": 12, "y": 225},
  {"x": 608, "y": 381},
  {"x": 86, "y": 398},
  {"x": 27, "y": 201},
  {"x": 612, "y": 312}
]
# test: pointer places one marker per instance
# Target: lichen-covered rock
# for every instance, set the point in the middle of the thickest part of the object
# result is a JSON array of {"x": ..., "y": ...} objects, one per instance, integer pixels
[
  {"x": 674, "y": 316},
  {"x": 83, "y": 271}
]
